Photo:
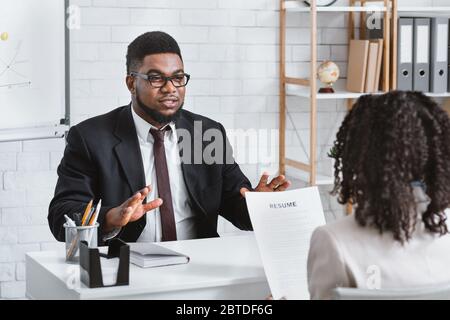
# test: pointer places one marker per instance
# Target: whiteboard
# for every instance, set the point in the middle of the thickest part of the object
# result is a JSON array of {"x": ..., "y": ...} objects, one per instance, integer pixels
[{"x": 32, "y": 66}]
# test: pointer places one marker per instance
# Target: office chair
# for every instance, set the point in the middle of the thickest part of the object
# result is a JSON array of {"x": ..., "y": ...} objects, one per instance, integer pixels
[{"x": 437, "y": 292}]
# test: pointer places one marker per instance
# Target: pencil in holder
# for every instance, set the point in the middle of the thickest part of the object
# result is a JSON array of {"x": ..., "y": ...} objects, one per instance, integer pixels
[{"x": 75, "y": 234}]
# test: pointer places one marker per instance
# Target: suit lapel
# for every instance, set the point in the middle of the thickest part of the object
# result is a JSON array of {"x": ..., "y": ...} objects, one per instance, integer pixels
[
  {"x": 128, "y": 150},
  {"x": 191, "y": 171}
]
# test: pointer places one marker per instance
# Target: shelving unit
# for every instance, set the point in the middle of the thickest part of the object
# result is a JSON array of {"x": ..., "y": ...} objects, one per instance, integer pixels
[
  {"x": 339, "y": 88},
  {"x": 307, "y": 88},
  {"x": 419, "y": 10},
  {"x": 298, "y": 8}
]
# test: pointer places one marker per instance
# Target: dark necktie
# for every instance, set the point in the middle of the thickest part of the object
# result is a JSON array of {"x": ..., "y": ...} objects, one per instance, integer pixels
[{"x": 162, "y": 178}]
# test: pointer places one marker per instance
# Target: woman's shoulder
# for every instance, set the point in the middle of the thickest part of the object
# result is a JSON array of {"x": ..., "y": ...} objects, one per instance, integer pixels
[
  {"x": 340, "y": 225},
  {"x": 342, "y": 232}
]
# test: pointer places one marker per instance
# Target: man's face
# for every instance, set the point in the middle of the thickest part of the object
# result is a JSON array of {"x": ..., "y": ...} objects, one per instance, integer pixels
[{"x": 160, "y": 104}]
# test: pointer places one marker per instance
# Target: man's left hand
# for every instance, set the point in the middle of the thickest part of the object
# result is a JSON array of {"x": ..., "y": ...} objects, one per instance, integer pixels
[{"x": 277, "y": 184}]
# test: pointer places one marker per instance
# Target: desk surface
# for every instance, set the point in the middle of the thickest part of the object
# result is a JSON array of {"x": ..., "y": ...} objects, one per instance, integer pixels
[{"x": 220, "y": 268}]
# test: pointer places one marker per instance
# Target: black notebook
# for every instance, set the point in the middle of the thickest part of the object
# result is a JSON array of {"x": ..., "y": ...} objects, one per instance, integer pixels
[{"x": 148, "y": 254}]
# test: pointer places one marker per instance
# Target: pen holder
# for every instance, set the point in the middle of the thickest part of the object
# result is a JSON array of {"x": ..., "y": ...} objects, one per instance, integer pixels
[
  {"x": 75, "y": 234},
  {"x": 90, "y": 266}
]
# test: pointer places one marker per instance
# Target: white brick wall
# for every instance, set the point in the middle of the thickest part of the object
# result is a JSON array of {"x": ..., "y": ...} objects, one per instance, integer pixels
[
  {"x": 230, "y": 47},
  {"x": 33, "y": 161},
  {"x": 12, "y": 289},
  {"x": 7, "y": 272},
  {"x": 27, "y": 179},
  {"x": 8, "y": 161}
]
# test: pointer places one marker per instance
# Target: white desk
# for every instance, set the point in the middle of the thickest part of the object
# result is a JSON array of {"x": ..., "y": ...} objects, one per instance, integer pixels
[{"x": 220, "y": 268}]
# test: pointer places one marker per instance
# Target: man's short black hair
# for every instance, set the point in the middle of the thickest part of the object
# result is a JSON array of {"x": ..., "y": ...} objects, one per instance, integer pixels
[{"x": 150, "y": 43}]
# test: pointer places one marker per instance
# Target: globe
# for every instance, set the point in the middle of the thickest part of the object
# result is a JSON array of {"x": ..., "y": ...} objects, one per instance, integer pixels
[
  {"x": 322, "y": 3},
  {"x": 4, "y": 36},
  {"x": 328, "y": 73}
]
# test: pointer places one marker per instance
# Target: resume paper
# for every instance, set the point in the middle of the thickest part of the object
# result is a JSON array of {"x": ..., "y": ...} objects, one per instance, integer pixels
[{"x": 283, "y": 223}]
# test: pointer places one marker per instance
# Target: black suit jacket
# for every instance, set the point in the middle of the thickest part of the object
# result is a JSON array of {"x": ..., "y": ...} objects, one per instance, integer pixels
[{"x": 102, "y": 160}]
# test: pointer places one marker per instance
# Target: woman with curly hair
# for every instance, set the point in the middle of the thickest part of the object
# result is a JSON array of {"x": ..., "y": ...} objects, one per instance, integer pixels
[{"x": 392, "y": 157}]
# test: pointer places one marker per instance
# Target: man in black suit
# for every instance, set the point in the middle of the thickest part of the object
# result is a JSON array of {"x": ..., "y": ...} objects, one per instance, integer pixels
[{"x": 151, "y": 157}]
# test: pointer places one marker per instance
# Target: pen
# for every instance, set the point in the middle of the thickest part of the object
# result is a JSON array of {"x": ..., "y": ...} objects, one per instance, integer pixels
[
  {"x": 77, "y": 218},
  {"x": 73, "y": 246},
  {"x": 69, "y": 221},
  {"x": 94, "y": 217},
  {"x": 89, "y": 217}
]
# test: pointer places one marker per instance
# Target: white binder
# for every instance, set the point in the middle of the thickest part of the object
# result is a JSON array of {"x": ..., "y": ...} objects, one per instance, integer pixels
[
  {"x": 405, "y": 54},
  {"x": 439, "y": 55},
  {"x": 421, "y": 80}
]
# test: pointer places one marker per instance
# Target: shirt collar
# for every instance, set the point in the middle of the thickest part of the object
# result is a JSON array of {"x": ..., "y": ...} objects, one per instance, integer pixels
[{"x": 143, "y": 127}]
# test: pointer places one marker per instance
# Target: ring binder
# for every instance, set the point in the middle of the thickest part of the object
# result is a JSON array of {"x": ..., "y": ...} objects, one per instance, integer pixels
[
  {"x": 405, "y": 54},
  {"x": 421, "y": 81},
  {"x": 439, "y": 59}
]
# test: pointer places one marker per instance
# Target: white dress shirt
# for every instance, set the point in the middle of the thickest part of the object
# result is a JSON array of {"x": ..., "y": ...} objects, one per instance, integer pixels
[{"x": 184, "y": 215}]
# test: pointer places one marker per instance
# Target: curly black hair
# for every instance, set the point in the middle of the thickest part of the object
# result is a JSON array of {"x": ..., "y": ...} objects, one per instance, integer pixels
[
  {"x": 385, "y": 143},
  {"x": 150, "y": 43}
]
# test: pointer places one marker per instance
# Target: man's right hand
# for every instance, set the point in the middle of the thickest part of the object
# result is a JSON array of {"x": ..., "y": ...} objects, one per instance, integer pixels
[{"x": 129, "y": 211}]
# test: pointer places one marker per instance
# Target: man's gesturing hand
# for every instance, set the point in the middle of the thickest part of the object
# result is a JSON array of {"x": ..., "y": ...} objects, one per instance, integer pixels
[
  {"x": 277, "y": 184},
  {"x": 131, "y": 210}
]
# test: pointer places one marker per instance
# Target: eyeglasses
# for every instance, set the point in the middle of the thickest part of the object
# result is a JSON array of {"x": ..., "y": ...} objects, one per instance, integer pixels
[{"x": 158, "y": 81}]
